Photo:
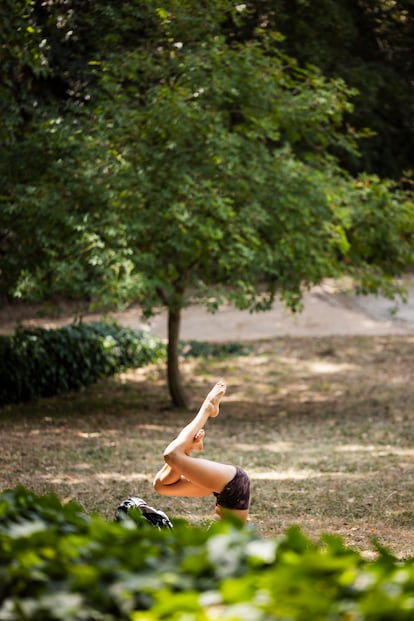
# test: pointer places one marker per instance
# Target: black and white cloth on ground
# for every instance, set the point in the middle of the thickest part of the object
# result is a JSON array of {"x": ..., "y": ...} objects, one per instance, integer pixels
[{"x": 154, "y": 516}]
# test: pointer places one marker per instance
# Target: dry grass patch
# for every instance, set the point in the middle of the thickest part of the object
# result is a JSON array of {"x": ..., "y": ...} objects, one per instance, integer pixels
[{"x": 323, "y": 426}]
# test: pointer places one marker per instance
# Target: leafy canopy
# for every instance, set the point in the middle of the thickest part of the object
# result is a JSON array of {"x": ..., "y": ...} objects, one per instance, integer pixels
[{"x": 198, "y": 168}]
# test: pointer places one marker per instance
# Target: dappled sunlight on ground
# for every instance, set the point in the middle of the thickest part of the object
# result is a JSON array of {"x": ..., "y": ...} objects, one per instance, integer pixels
[
  {"x": 275, "y": 447},
  {"x": 322, "y": 367},
  {"x": 324, "y": 427},
  {"x": 96, "y": 477},
  {"x": 378, "y": 450},
  {"x": 292, "y": 474},
  {"x": 317, "y": 366}
]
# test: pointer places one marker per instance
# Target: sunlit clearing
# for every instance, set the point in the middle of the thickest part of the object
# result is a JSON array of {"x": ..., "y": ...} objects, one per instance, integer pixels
[
  {"x": 377, "y": 449},
  {"x": 149, "y": 427},
  {"x": 318, "y": 366},
  {"x": 323, "y": 366},
  {"x": 140, "y": 375},
  {"x": 274, "y": 447},
  {"x": 101, "y": 476}
]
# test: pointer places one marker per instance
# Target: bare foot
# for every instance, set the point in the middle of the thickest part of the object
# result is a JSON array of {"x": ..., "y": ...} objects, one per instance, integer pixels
[{"x": 214, "y": 397}]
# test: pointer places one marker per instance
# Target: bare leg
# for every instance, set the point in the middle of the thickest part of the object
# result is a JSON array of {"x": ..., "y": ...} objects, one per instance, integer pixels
[
  {"x": 168, "y": 475},
  {"x": 186, "y": 475},
  {"x": 209, "y": 408}
]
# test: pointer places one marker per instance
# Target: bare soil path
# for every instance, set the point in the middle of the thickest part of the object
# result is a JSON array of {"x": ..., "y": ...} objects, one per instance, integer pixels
[{"x": 327, "y": 312}]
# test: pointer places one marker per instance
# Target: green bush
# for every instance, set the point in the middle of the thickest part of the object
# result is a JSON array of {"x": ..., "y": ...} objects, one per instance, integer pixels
[
  {"x": 200, "y": 349},
  {"x": 57, "y": 563},
  {"x": 41, "y": 363}
]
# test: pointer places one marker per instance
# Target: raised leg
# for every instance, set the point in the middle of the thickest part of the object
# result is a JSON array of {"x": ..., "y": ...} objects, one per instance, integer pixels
[
  {"x": 209, "y": 408},
  {"x": 185, "y": 475}
]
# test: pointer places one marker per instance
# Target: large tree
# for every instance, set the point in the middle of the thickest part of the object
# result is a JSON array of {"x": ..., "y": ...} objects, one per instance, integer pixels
[{"x": 199, "y": 171}]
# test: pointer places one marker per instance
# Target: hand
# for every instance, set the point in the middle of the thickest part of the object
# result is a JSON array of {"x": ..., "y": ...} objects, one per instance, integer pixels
[{"x": 197, "y": 444}]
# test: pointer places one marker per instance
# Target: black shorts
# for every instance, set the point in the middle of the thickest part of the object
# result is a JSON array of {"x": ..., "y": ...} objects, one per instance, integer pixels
[{"x": 236, "y": 494}]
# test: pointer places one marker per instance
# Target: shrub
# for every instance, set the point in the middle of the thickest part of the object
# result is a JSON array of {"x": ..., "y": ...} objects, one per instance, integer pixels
[
  {"x": 200, "y": 349},
  {"x": 40, "y": 363},
  {"x": 56, "y": 562}
]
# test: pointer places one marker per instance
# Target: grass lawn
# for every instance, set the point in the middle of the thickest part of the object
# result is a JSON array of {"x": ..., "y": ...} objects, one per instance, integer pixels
[{"x": 324, "y": 427}]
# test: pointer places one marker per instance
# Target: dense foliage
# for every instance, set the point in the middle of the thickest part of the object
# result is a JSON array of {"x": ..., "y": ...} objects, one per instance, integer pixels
[
  {"x": 369, "y": 44},
  {"x": 57, "y": 563},
  {"x": 46, "y": 48},
  {"x": 175, "y": 154},
  {"x": 35, "y": 362}
]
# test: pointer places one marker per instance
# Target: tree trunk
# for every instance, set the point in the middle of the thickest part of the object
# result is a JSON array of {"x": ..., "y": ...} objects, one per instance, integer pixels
[{"x": 177, "y": 392}]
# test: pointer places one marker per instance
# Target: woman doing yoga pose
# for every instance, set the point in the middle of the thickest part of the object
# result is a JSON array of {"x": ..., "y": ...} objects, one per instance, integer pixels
[{"x": 186, "y": 475}]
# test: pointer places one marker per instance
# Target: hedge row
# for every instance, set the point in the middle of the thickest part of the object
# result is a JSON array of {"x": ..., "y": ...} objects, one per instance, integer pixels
[
  {"x": 42, "y": 363},
  {"x": 57, "y": 563}
]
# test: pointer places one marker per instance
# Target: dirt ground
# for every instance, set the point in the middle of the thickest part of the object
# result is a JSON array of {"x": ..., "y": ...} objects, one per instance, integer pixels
[
  {"x": 322, "y": 424},
  {"x": 320, "y": 415}
]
